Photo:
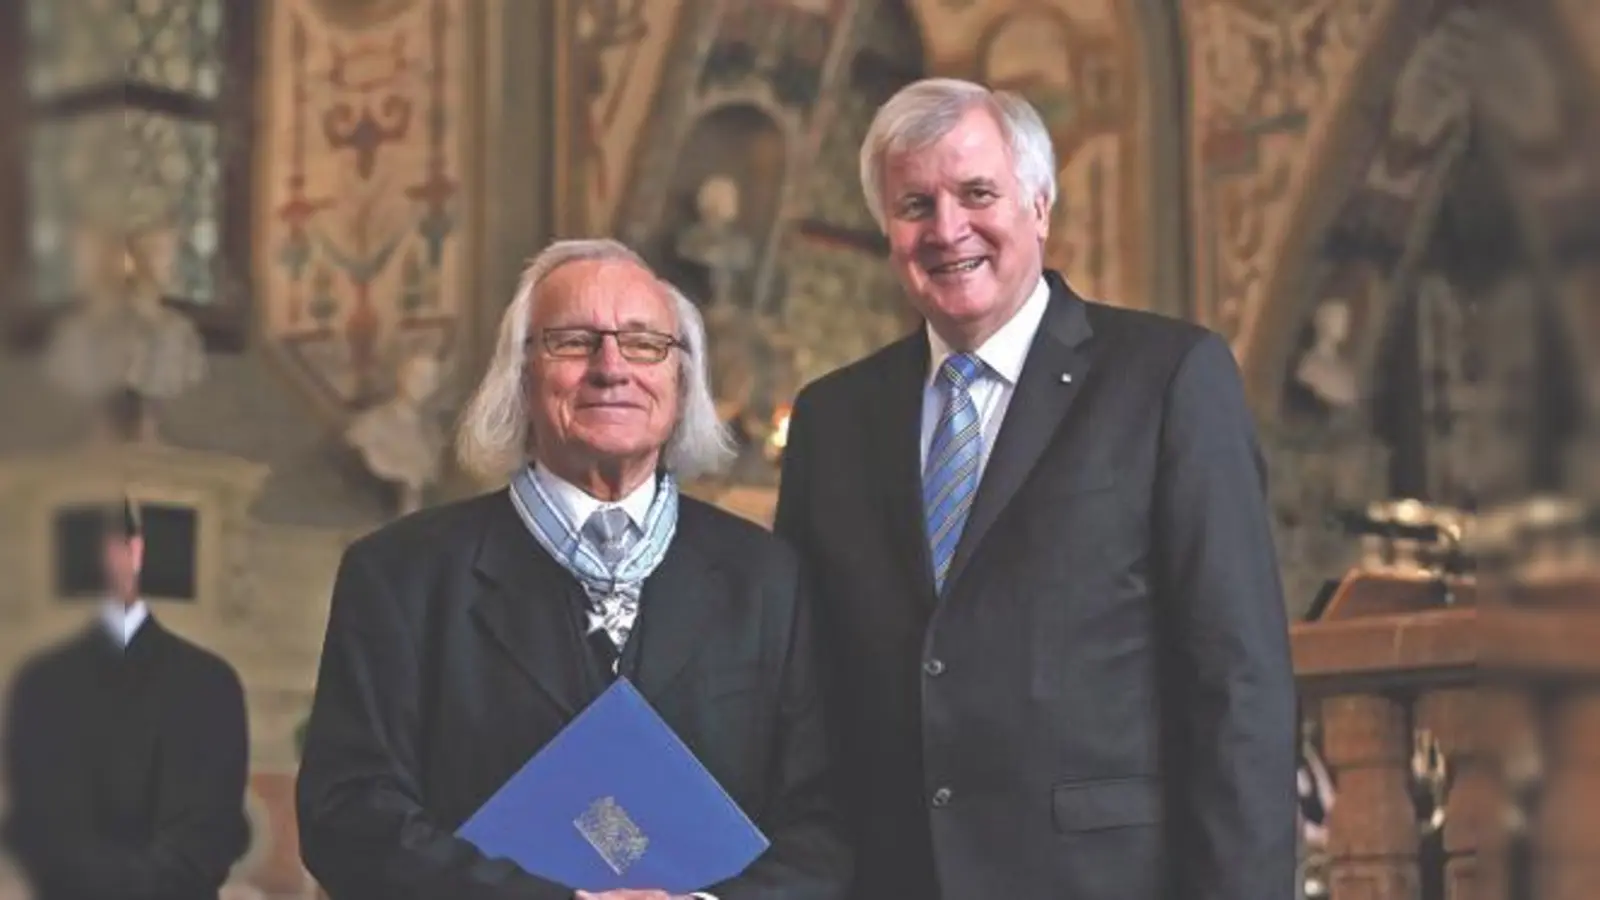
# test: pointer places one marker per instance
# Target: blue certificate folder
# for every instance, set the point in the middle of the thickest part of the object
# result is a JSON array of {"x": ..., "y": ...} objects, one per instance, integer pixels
[{"x": 615, "y": 801}]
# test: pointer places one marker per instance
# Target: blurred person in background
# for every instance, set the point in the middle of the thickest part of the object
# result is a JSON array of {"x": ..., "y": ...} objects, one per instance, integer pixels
[{"x": 126, "y": 753}]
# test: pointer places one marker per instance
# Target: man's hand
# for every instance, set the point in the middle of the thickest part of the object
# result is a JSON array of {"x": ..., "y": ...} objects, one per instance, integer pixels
[{"x": 627, "y": 895}]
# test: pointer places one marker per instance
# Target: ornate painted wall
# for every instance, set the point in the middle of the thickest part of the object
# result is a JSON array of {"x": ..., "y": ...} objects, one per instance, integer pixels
[
  {"x": 1268, "y": 82},
  {"x": 365, "y": 210},
  {"x": 741, "y": 182},
  {"x": 1314, "y": 178},
  {"x": 367, "y": 227}
]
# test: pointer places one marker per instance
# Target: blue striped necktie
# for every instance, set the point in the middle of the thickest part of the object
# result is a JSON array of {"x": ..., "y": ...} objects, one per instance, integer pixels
[{"x": 950, "y": 478}]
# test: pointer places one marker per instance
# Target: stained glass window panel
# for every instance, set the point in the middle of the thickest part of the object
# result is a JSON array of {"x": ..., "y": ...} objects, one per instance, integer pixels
[
  {"x": 51, "y": 200},
  {"x": 172, "y": 44},
  {"x": 140, "y": 169},
  {"x": 73, "y": 44},
  {"x": 127, "y": 135}
]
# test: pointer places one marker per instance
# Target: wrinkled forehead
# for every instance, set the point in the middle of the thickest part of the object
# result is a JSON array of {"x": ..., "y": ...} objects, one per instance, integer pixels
[{"x": 602, "y": 294}]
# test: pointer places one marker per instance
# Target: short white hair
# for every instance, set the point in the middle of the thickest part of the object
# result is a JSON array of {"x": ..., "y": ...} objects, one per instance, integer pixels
[
  {"x": 925, "y": 111},
  {"x": 494, "y": 438}
]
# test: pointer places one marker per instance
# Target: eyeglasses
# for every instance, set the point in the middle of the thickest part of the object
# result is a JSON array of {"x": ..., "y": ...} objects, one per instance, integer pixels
[{"x": 583, "y": 343}]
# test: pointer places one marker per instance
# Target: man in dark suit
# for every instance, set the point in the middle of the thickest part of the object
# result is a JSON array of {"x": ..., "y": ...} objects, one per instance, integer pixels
[
  {"x": 462, "y": 639},
  {"x": 1046, "y": 584},
  {"x": 127, "y": 754}
]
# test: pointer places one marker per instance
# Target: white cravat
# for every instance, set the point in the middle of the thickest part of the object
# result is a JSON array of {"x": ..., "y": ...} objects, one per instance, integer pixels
[
  {"x": 123, "y": 622},
  {"x": 1003, "y": 355}
]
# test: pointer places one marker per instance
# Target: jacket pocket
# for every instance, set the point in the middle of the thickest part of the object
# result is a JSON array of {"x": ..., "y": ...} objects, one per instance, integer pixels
[{"x": 1108, "y": 803}]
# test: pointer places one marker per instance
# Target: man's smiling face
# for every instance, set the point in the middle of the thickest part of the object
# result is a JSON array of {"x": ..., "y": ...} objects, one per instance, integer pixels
[{"x": 964, "y": 238}]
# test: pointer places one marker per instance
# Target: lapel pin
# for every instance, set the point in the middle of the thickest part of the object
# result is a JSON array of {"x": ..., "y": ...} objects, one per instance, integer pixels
[{"x": 1066, "y": 377}]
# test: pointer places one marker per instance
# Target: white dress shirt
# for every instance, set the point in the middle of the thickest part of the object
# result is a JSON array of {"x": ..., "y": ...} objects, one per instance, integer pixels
[
  {"x": 1003, "y": 355},
  {"x": 577, "y": 505},
  {"x": 123, "y": 621}
]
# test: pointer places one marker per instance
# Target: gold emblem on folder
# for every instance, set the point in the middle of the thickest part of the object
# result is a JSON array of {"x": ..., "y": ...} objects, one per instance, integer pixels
[{"x": 607, "y": 828}]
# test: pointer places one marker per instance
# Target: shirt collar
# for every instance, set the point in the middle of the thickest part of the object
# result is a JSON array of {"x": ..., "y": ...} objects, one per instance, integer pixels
[
  {"x": 1007, "y": 349},
  {"x": 123, "y": 622},
  {"x": 577, "y": 505}
]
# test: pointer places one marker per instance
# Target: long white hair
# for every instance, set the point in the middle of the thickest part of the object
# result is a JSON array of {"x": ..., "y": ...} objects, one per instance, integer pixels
[
  {"x": 493, "y": 438},
  {"x": 924, "y": 111}
]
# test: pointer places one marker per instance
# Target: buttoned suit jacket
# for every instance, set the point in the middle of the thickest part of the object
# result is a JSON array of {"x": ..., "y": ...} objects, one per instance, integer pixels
[
  {"x": 127, "y": 768},
  {"x": 454, "y": 653},
  {"x": 1101, "y": 705}
]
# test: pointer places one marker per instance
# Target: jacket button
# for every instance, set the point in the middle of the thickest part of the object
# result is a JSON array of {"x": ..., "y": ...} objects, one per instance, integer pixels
[
  {"x": 934, "y": 667},
  {"x": 941, "y": 797}
]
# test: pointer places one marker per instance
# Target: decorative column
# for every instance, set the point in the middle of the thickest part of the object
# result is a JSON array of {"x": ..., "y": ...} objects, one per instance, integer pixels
[
  {"x": 1566, "y": 841},
  {"x": 1372, "y": 839}
]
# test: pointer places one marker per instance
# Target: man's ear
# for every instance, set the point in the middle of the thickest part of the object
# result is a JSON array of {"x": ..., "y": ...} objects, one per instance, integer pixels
[
  {"x": 1041, "y": 217},
  {"x": 136, "y": 552}
]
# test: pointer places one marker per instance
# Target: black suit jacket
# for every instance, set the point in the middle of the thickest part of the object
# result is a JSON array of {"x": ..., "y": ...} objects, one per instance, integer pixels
[
  {"x": 453, "y": 654},
  {"x": 1101, "y": 707},
  {"x": 127, "y": 771}
]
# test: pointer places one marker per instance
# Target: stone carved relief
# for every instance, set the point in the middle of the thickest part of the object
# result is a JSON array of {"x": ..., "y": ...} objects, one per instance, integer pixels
[
  {"x": 778, "y": 57},
  {"x": 1324, "y": 460},
  {"x": 124, "y": 351},
  {"x": 748, "y": 351},
  {"x": 729, "y": 192},
  {"x": 1267, "y": 79},
  {"x": 1325, "y": 368},
  {"x": 402, "y": 440}
]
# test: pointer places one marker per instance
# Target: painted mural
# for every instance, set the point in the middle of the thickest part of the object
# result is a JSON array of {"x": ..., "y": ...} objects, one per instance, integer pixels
[
  {"x": 614, "y": 56},
  {"x": 1076, "y": 65},
  {"x": 365, "y": 262},
  {"x": 1266, "y": 79}
]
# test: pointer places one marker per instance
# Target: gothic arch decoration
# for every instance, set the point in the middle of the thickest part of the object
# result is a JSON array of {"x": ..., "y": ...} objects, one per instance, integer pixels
[
  {"x": 839, "y": 300},
  {"x": 1273, "y": 87},
  {"x": 738, "y": 119},
  {"x": 611, "y": 64},
  {"x": 1430, "y": 311},
  {"x": 778, "y": 56}
]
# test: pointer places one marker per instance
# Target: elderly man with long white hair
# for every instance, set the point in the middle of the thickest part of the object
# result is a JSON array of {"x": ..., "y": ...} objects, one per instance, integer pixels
[{"x": 463, "y": 638}]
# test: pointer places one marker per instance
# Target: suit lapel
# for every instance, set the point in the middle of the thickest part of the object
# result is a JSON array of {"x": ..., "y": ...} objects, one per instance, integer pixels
[
  {"x": 525, "y": 607},
  {"x": 1038, "y": 405},
  {"x": 896, "y": 417},
  {"x": 679, "y": 601}
]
